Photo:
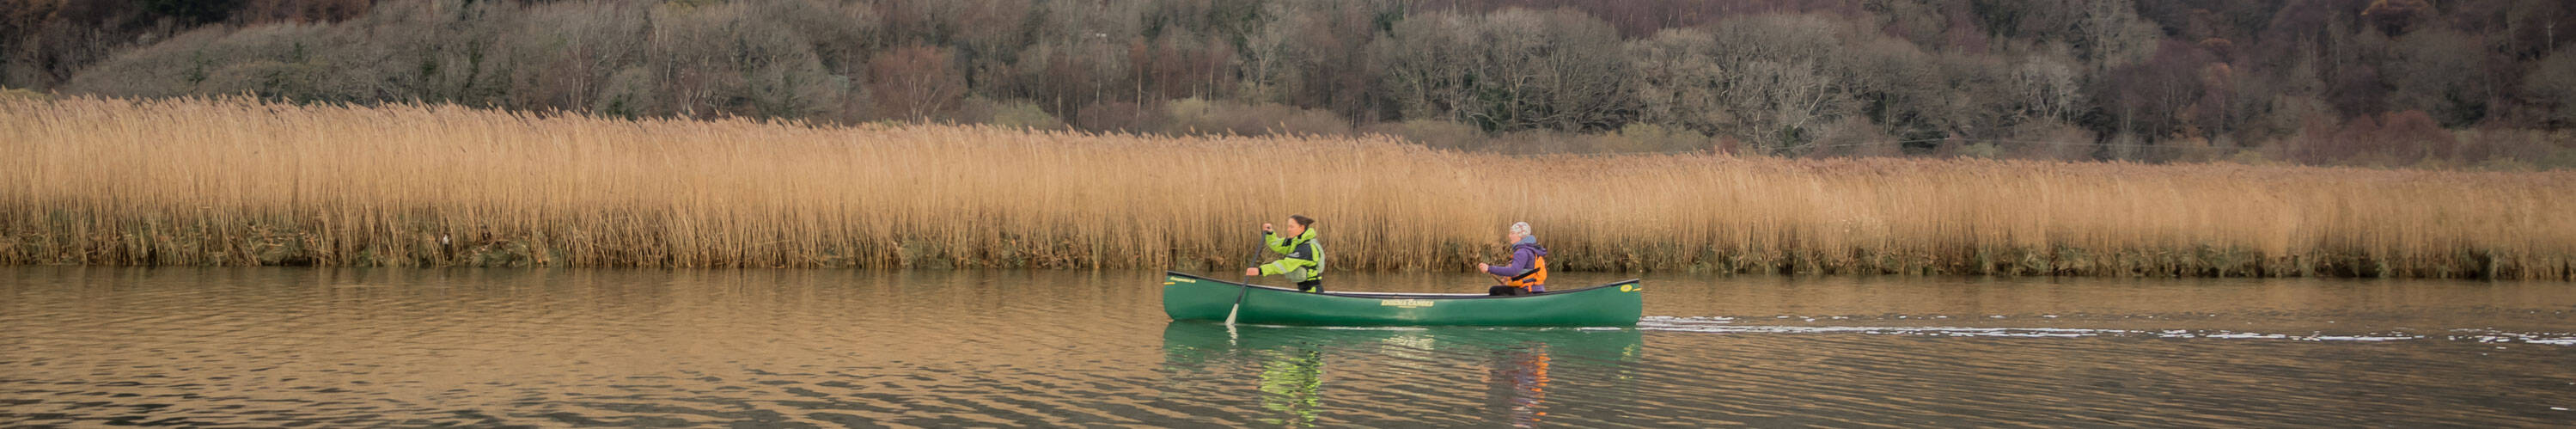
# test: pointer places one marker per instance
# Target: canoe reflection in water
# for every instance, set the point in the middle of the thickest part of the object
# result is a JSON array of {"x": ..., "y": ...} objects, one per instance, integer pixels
[{"x": 1499, "y": 375}]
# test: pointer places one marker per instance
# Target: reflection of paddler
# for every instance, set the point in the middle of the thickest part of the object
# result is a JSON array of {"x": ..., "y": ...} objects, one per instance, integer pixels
[
  {"x": 1522, "y": 373},
  {"x": 1519, "y": 374},
  {"x": 1292, "y": 361},
  {"x": 1292, "y": 382}
]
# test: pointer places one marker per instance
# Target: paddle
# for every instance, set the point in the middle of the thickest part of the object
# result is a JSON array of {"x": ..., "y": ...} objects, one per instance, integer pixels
[
  {"x": 1238, "y": 302},
  {"x": 1242, "y": 288}
]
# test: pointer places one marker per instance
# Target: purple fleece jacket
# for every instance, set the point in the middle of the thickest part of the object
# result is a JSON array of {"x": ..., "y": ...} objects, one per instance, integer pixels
[{"x": 1524, "y": 258}]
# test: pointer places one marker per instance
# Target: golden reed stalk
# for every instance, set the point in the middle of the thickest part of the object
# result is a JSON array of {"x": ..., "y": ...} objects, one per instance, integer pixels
[{"x": 237, "y": 182}]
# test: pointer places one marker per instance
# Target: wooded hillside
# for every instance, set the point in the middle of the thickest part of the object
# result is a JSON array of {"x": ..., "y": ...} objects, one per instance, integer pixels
[{"x": 2487, "y": 84}]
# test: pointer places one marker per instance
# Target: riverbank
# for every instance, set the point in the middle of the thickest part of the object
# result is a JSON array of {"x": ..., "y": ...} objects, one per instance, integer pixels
[{"x": 207, "y": 182}]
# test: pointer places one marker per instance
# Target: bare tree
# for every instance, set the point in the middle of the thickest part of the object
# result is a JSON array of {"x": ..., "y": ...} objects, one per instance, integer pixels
[
  {"x": 2111, "y": 34},
  {"x": 2438, "y": 71},
  {"x": 1773, "y": 81},
  {"x": 915, "y": 83},
  {"x": 2048, "y": 87},
  {"x": 1513, "y": 69},
  {"x": 1677, "y": 80},
  {"x": 2552, "y": 86}
]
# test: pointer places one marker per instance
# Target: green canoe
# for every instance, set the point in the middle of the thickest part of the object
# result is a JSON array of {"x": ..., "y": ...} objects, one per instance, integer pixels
[{"x": 1189, "y": 297}]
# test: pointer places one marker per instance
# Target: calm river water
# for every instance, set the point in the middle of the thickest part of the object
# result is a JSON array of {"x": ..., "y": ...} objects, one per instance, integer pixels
[{"x": 793, "y": 348}]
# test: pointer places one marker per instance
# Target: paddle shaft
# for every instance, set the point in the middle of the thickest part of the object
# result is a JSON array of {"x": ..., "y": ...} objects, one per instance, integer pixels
[
  {"x": 1241, "y": 288},
  {"x": 1238, "y": 303}
]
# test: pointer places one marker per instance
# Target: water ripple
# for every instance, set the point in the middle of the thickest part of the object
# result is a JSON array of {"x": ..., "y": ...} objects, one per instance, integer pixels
[{"x": 1731, "y": 325}]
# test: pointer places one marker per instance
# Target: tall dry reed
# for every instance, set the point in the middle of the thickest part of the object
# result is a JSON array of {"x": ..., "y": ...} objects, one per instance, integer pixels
[{"x": 234, "y": 182}]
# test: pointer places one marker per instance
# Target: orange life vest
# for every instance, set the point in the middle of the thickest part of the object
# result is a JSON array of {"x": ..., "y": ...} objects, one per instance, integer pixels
[{"x": 1537, "y": 275}]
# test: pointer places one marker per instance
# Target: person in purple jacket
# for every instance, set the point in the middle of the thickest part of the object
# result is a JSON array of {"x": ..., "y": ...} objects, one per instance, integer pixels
[{"x": 1527, "y": 273}]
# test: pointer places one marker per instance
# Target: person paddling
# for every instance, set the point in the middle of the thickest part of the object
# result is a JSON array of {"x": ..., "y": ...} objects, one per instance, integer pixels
[
  {"x": 1304, "y": 262},
  {"x": 1527, "y": 273}
]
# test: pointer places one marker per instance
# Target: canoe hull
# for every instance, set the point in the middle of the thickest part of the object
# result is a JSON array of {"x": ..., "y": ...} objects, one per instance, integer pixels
[{"x": 1189, "y": 297}]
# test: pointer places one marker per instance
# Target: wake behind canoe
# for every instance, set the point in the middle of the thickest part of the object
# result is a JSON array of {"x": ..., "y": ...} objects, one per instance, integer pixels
[{"x": 1191, "y": 297}]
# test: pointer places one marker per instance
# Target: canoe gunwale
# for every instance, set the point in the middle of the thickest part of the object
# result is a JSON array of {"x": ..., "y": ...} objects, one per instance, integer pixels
[{"x": 1402, "y": 295}]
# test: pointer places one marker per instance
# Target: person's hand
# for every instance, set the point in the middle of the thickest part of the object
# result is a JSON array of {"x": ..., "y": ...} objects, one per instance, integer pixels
[
  {"x": 1265, "y": 227},
  {"x": 1252, "y": 272},
  {"x": 1482, "y": 267}
]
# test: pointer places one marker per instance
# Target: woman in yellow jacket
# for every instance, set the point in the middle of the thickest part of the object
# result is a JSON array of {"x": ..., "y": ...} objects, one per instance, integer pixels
[{"x": 1304, "y": 260}]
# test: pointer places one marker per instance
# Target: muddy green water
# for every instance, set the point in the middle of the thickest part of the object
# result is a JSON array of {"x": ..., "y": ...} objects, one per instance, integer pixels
[{"x": 831, "y": 348}]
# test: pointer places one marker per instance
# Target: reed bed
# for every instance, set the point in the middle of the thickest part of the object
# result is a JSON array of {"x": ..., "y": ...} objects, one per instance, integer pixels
[{"x": 244, "y": 182}]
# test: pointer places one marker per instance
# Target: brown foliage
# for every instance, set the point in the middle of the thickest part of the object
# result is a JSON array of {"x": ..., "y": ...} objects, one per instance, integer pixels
[
  {"x": 266, "y": 11},
  {"x": 2394, "y": 139},
  {"x": 2395, "y": 17},
  {"x": 1195, "y": 116},
  {"x": 1118, "y": 117},
  {"x": 2154, "y": 97},
  {"x": 915, "y": 83}
]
